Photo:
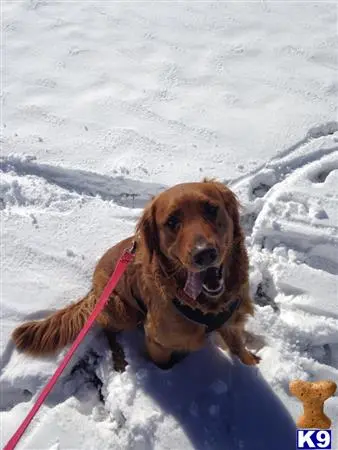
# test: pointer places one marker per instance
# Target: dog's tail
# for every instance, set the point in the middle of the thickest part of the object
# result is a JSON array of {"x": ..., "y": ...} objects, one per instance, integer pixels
[{"x": 43, "y": 337}]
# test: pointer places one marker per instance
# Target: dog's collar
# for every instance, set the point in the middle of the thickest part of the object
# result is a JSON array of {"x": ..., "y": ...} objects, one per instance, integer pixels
[{"x": 211, "y": 321}]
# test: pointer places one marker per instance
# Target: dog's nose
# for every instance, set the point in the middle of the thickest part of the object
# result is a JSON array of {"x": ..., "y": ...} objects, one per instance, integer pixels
[{"x": 204, "y": 257}]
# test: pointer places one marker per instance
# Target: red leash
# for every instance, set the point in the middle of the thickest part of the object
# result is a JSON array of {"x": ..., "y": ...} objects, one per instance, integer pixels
[{"x": 121, "y": 266}]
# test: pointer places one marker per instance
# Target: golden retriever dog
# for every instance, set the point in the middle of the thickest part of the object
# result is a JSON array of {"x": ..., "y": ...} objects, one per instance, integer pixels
[{"x": 189, "y": 277}]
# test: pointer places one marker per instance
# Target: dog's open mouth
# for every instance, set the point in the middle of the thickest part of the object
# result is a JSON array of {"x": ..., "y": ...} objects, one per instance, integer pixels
[
  {"x": 212, "y": 281},
  {"x": 209, "y": 281}
]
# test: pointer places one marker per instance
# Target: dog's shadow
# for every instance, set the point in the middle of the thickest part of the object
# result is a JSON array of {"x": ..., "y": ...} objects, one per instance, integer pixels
[{"x": 219, "y": 403}]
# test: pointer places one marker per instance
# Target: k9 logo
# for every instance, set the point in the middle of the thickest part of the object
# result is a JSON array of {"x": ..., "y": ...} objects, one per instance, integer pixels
[{"x": 316, "y": 439}]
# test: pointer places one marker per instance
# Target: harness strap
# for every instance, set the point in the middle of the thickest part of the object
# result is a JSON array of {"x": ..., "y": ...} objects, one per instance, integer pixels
[
  {"x": 211, "y": 321},
  {"x": 141, "y": 305}
]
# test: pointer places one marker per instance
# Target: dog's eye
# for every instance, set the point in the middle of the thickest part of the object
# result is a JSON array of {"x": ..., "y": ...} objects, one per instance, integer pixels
[
  {"x": 173, "y": 222},
  {"x": 210, "y": 210}
]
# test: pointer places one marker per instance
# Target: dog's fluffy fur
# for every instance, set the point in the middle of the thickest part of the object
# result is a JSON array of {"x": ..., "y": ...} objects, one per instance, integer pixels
[{"x": 160, "y": 267}]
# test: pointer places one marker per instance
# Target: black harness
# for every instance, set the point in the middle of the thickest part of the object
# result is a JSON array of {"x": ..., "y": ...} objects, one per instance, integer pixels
[{"x": 211, "y": 321}]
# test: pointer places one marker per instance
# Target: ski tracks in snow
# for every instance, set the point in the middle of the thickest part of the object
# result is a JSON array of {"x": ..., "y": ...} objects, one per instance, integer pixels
[
  {"x": 292, "y": 222},
  {"x": 24, "y": 180}
]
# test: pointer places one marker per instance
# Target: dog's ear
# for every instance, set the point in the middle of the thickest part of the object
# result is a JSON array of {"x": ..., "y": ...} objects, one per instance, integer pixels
[
  {"x": 238, "y": 264},
  {"x": 148, "y": 232},
  {"x": 232, "y": 205}
]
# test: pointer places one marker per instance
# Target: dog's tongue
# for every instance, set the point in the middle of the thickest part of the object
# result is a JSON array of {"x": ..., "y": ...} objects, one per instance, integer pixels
[
  {"x": 195, "y": 280},
  {"x": 193, "y": 285}
]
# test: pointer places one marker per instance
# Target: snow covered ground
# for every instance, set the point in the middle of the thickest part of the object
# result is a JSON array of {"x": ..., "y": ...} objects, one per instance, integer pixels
[{"x": 105, "y": 104}]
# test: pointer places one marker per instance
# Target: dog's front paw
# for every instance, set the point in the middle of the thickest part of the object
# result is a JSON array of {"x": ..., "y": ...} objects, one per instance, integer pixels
[{"x": 250, "y": 359}]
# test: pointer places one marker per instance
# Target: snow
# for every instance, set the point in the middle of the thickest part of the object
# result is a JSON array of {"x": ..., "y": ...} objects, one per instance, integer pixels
[{"x": 106, "y": 104}]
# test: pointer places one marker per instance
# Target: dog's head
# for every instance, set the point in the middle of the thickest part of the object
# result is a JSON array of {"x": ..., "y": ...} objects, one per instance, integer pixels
[{"x": 194, "y": 226}]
